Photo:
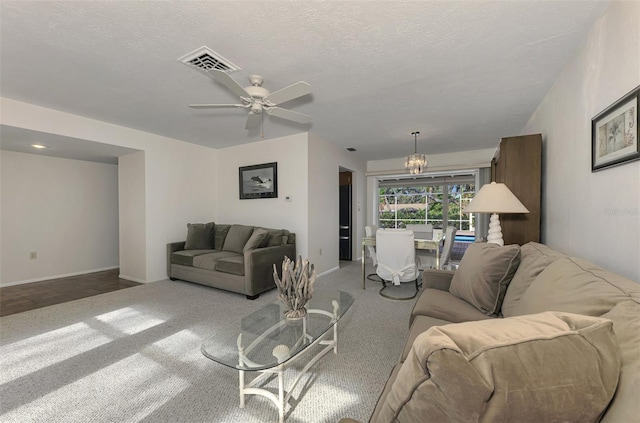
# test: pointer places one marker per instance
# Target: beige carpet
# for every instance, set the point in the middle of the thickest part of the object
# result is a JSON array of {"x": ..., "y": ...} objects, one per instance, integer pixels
[{"x": 134, "y": 356}]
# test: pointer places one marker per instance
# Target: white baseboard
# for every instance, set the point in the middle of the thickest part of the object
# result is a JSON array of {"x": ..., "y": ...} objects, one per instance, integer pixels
[
  {"x": 329, "y": 271},
  {"x": 66, "y": 275},
  {"x": 132, "y": 279}
]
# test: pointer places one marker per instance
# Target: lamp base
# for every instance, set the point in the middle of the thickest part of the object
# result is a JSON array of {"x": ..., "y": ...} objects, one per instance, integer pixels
[{"x": 495, "y": 230}]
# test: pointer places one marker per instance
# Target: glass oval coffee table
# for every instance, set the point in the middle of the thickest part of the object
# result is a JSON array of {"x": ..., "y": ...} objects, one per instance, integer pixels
[{"x": 265, "y": 341}]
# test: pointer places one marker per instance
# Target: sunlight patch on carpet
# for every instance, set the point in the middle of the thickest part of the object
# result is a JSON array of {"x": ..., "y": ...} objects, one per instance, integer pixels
[
  {"x": 174, "y": 346},
  {"x": 37, "y": 352},
  {"x": 142, "y": 386},
  {"x": 129, "y": 320}
]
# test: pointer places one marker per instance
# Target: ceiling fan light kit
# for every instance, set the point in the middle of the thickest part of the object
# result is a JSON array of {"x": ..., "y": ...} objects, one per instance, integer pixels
[
  {"x": 260, "y": 100},
  {"x": 416, "y": 163}
]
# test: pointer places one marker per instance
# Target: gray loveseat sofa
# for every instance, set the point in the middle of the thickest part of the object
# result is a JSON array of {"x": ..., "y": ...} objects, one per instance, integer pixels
[
  {"x": 524, "y": 334},
  {"x": 235, "y": 258}
]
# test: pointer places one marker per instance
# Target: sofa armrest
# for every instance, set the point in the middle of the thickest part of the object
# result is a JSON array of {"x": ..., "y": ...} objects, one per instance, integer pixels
[
  {"x": 172, "y": 247},
  {"x": 258, "y": 266},
  {"x": 437, "y": 279}
]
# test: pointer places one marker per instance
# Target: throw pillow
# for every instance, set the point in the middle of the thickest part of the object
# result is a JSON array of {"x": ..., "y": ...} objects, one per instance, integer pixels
[
  {"x": 200, "y": 236},
  {"x": 575, "y": 285},
  {"x": 256, "y": 240},
  {"x": 484, "y": 274},
  {"x": 534, "y": 258},
  {"x": 221, "y": 235},
  {"x": 547, "y": 367},
  {"x": 275, "y": 237},
  {"x": 237, "y": 238}
]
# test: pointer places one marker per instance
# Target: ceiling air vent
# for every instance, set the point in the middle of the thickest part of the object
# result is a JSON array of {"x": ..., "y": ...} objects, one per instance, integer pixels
[{"x": 204, "y": 59}]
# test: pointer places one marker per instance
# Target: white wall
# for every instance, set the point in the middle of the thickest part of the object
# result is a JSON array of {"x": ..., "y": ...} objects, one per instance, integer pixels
[
  {"x": 592, "y": 215},
  {"x": 133, "y": 224},
  {"x": 64, "y": 210},
  {"x": 325, "y": 161},
  {"x": 180, "y": 177},
  {"x": 307, "y": 172},
  {"x": 290, "y": 153}
]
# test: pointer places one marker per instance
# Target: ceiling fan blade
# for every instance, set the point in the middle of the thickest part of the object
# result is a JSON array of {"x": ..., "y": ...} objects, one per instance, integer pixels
[
  {"x": 289, "y": 93},
  {"x": 216, "y": 106},
  {"x": 288, "y": 114},
  {"x": 253, "y": 120},
  {"x": 227, "y": 81}
]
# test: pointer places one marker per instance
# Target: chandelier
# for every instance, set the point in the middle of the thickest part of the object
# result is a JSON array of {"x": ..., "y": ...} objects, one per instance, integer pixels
[{"x": 415, "y": 162}]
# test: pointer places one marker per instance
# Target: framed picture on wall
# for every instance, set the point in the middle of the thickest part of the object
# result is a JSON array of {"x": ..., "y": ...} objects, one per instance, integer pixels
[
  {"x": 614, "y": 133},
  {"x": 259, "y": 181}
]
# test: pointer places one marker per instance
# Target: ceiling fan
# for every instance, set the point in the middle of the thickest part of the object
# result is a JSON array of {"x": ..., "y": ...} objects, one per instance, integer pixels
[{"x": 258, "y": 99}]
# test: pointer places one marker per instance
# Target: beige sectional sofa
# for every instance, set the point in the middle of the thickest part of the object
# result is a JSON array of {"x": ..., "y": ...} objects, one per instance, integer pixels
[
  {"x": 235, "y": 258},
  {"x": 524, "y": 334}
]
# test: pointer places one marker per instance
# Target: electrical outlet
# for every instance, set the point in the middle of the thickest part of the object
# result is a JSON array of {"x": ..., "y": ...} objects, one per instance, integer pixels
[{"x": 33, "y": 255}]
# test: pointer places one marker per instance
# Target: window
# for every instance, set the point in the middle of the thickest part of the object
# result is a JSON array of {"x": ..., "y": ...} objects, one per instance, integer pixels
[{"x": 423, "y": 200}]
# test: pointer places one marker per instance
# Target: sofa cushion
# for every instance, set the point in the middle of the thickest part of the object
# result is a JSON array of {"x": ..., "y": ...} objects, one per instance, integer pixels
[
  {"x": 200, "y": 236},
  {"x": 221, "y": 232},
  {"x": 534, "y": 258},
  {"x": 237, "y": 238},
  {"x": 576, "y": 286},
  {"x": 258, "y": 238},
  {"x": 234, "y": 265},
  {"x": 185, "y": 257},
  {"x": 443, "y": 305},
  {"x": 208, "y": 261},
  {"x": 484, "y": 274},
  {"x": 539, "y": 368},
  {"x": 625, "y": 406}
]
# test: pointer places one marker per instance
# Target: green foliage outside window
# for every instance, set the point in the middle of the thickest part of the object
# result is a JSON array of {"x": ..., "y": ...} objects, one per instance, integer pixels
[{"x": 400, "y": 206}]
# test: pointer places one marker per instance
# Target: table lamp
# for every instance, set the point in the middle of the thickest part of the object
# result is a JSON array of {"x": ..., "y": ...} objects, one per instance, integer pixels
[{"x": 495, "y": 198}]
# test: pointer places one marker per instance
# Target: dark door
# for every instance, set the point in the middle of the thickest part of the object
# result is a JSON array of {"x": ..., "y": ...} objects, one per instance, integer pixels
[{"x": 345, "y": 229}]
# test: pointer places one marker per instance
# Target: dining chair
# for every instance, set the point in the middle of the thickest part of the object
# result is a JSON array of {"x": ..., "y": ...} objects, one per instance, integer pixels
[
  {"x": 370, "y": 231},
  {"x": 429, "y": 261},
  {"x": 421, "y": 231},
  {"x": 396, "y": 254},
  {"x": 449, "y": 239}
]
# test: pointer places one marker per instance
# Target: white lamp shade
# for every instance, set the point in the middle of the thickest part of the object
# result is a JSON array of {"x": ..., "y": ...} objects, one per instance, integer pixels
[{"x": 495, "y": 198}]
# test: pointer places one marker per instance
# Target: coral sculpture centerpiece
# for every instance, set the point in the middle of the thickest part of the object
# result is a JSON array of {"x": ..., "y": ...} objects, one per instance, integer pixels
[{"x": 296, "y": 286}]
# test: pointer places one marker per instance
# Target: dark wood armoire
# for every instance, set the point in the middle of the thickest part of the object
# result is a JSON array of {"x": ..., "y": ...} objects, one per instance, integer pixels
[{"x": 518, "y": 164}]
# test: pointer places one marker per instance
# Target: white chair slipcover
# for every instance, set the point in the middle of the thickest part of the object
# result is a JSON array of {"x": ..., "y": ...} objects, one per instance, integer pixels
[{"x": 396, "y": 255}]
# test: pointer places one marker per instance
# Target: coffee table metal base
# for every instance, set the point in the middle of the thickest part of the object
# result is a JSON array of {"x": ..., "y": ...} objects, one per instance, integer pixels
[{"x": 281, "y": 353}]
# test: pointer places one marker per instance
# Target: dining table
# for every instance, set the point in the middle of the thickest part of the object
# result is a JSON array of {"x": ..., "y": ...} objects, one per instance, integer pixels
[{"x": 420, "y": 244}]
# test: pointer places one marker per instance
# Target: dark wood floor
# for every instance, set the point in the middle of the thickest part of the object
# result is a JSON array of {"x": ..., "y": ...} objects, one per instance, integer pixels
[{"x": 19, "y": 298}]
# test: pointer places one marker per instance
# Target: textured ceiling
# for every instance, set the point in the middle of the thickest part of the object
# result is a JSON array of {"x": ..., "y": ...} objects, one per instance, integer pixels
[{"x": 463, "y": 73}]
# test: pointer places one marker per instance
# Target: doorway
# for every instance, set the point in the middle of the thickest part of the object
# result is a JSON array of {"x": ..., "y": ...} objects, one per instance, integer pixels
[{"x": 345, "y": 229}]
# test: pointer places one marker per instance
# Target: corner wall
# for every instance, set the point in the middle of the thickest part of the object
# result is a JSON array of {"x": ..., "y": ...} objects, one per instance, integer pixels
[
  {"x": 592, "y": 215},
  {"x": 325, "y": 161},
  {"x": 133, "y": 224},
  {"x": 64, "y": 210}
]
